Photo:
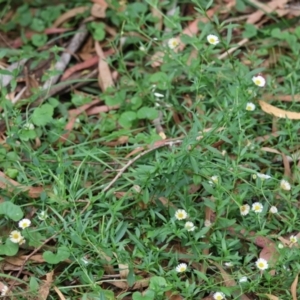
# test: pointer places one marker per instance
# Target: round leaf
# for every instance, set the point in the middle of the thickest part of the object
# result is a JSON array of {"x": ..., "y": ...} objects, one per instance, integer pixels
[{"x": 147, "y": 113}]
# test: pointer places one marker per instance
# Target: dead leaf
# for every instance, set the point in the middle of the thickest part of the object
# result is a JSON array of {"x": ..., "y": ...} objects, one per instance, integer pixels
[
  {"x": 266, "y": 8},
  {"x": 11, "y": 185},
  {"x": 278, "y": 112},
  {"x": 104, "y": 77},
  {"x": 59, "y": 293},
  {"x": 45, "y": 286},
  {"x": 70, "y": 14},
  {"x": 294, "y": 288},
  {"x": 98, "y": 10}
]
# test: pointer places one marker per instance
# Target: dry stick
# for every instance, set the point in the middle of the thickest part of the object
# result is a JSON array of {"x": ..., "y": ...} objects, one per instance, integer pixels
[
  {"x": 170, "y": 143},
  {"x": 29, "y": 256}
]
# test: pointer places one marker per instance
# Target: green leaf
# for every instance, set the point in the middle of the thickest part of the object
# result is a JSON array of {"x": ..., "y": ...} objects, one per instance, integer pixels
[
  {"x": 39, "y": 40},
  {"x": 33, "y": 284},
  {"x": 12, "y": 173},
  {"x": 250, "y": 31},
  {"x": 148, "y": 295},
  {"x": 26, "y": 135},
  {"x": 11, "y": 210},
  {"x": 147, "y": 113},
  {"x": 116, "y": 99},
  {"x": 42, "y": 115},
  {"x": 136, "y": 102},
  {"x": 78, "y": 100},
  {"x": 62, "y": 254},
  {"x": 127, "y": 118},
  {"x": 99, "y": 31},
  {"x": 9, "y": 248},
  {"x": 161, "y": 80}
]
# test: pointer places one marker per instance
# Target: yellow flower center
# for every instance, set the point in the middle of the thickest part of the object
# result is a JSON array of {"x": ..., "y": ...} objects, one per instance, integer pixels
[{"x": 261, "y": 265}]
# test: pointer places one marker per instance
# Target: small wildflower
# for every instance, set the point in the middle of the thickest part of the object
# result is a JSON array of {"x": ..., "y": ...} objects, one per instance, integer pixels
[
  {"x": 42, "y": 215},
  {"x": 263, "y": 176},
  {"x": 213, "y": 39},
  {"x": 228, "y": 264},
  {"x": 28, "y": 126},
  {"x": 273, "y": 210},
  {"x": 207, "y": 223},
  {"x": 24, "y": 223},
  {"x": 280, "y": 246},
  {"x": 250, "y": 106},
  {"x": 224, "y": 152},
  {"x": 243, "y": 279},
  {"x": 15, "y": 236},
  {"x": 244, "y": 209},
  {"x": 189, "y": 226},
  {"x": 285, "y": 185},
  {"x": 293, "y": 239},
  {"x": 181, "y": 268},
  {"x": 214, "y": 180},
  {"x": 85, "y": 261},
  {"x": 181, "y": 214},
  {"x": 259, "y": 80},
  {"x": 142, "y": 48},
  {"x": 262, "y": 264},
  {"x": 257, "y": 207},
  {"x": 173, "y": 43},
  {"x": 4, "y": 290},
  {"x": 22, "y": 241},
  {"x": 158, "y": 95},
  {"x": 218, "y": 296}
]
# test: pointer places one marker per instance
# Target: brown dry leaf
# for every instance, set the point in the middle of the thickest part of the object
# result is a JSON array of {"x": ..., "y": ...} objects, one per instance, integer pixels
[
  {"x": 286, "y": 164},
  {"x": 45, "y": 287},
  {"x": 278, "y": 112},
  {"x": 10, "y": 185},
  {"x": 266, "y": 8},
  {"x": 19, "y": 260},
  {"x": 104, "y": 78},
  {"x": 271, "y": 297},
  {"x": 73, "y": 114},
  {"x": 59, "y": 293},
  {"x": 98, "y": 10},
  {"x": 294, "y": 288},
  {"x": 70, "y": 14},
  {"x": 173, "y": 295}
]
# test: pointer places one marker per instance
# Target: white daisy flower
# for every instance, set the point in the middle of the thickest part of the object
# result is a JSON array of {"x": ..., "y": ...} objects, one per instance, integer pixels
[
  {"x": 42, "y": 215},
  {"x": 263, "y": 176},
  {"x": 259, "y": 80},
  {"x": 244, "y": 209},
  {"x": 22, "y": 241},
  {"x": 262, "y": 264},
  {"x": 158, "y": 95},
  {"x": 285, "y": 185},
  {"x": 173, "y": 43},
  {"x": 4, "y": 290},
  {"x": 28, "y": 126},
  {"x": 181, "y": 268},
  {"x": 250, "y": 106},
  {"x": 207, "y": 223},
  {"x": 273, "y": 210},
  {"x": 213, "y": 39},
  {"x": 243, "y": 279},
  {"x": 15, "y": 236},
  {"x": 189, "y": 226},
  {"x": 214, "y": 180},
  {"x": 228, "y": 264},
  {"x": 293, "y": 239},
  {"x": 257, "y": 207},
  {"x": 181, "y": 214},
  {"x": 24, "y": 223},
  {"x": 219, "y": 296}
]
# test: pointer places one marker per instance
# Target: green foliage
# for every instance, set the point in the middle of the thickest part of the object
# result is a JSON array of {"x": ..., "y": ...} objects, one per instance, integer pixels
[{"x": 11, "y": 211}]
